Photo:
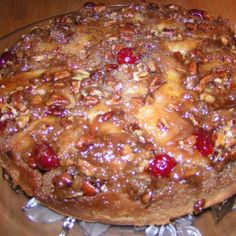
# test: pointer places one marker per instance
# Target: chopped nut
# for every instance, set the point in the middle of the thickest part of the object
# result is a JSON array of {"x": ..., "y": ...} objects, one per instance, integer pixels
[
  {"x": 76, "y": 86},
  {"x": 66, "y": 122},
  {"x": 143, "y": 74},
  {"x": 42, "y": 90},
  {"x": 36, "y": 100},
  {"x": 115, "y": 100},
  {"x": 155, "y": 83},
  {"x": 22, "y": 121},
  {"x": 143, "y": 165},
  {"x": 87, "y": 168},
  {"x": 220, "y": 140},
  {"x": 81, "y": 74},
  {"x": 57, "y": 100},
  {"x": 84, "y": 142},
  {"x": 152, "y": 65},
  {"x": 56, "y": 111},
  {"x": 88, "y": 189},
  {"x": 147, "y": 197},
  {"x": 63, "y": 180},
  {"x": 138, "y": 17},
  {"x": 113, "y": 38},
  {"x": 163, "y": 125},
  {"x": 109, "y": 23},
  {"x": 91, "y": 100},
  {"x": 192, "y": 67},
  {"x": 38, "y": 58},
  {"x": 61, "y": 75},
  {"x": 224, "y": 40},
  {"x": 195, "y": 180},
  {"x": 218, "y": 80},
  {"x": 220, "y": 159},
  {"x": 104, "y": 188},
  {"x": 205, "y": 80},
  {"x": 177, "y": 174},
  {"x": 188, "y": 142},
  {"x": 59, "y": 84},
  {"x": 173, "y": 7},
  {"x": 127, "y": 153},
  {"x": 99, "y": 8},
  {"x": 138, "y": 76},
  {"x": 149, "y": 100},
  {"x": 207, "y": 98},
  {"x": 96, "y": 92},
  {"x": 104, "y": 117}
]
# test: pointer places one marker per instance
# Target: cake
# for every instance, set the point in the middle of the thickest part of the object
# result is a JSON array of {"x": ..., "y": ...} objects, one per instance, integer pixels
[{"x": 122, "y": 114}]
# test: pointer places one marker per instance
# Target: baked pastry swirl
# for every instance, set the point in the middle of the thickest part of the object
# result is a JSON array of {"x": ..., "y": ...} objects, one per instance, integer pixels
[{"x": 122, "y": 115}]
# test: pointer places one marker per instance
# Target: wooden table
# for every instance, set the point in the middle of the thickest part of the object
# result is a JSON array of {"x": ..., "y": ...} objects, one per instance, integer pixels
[{"x": 15, "y": 14}]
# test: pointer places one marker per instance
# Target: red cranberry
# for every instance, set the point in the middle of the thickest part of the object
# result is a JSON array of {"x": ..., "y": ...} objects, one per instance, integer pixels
[
  {"x": 6, "y": 57},
  {"x": 162, "y": 165},
  {"x": 198, "y": 13},
  {"x": 204, "y": 143},
  {"x": 89, "y": 5},
  {"x": 3, "y": 125},
  {"x": 45, "y": 157},
  {"x": 126, "y": 56}
]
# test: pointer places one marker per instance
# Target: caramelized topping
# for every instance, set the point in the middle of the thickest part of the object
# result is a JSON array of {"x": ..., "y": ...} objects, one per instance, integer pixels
[{"x": 100, "y": 90}]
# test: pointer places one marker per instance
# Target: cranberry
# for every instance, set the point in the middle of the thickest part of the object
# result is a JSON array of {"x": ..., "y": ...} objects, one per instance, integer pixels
[
  {"x": 6, "y": 57},
  {"x": 89, "y": 5},
  {"x": 126, "y": 56},
  {"x": 204, "y": 143},
  {"x": 3, "y": 125},
  {"x": 162, "y": 165},
  {"x": 45, "y": 157},
  {"x": 198, "y": 13}
]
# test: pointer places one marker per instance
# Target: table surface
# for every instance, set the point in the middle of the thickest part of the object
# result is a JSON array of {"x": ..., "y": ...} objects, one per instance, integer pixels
[{"x": 15, "y": 14}]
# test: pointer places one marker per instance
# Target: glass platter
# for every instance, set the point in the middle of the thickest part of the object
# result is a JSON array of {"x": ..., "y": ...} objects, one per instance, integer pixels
[{"x": 13, "y": 219}]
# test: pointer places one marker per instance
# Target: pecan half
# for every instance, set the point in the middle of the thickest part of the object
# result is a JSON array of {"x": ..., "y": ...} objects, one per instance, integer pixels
[{"x": 91, "y": 100}]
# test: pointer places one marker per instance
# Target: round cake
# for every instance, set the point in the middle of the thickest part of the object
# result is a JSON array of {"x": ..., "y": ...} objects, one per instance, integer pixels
[{"x": 122, "y": 114}]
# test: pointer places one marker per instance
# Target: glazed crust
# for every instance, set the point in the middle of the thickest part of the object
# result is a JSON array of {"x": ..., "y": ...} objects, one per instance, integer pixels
[
  {"x": 93, "y": 100},
  {"x": 120, "y": 209}
]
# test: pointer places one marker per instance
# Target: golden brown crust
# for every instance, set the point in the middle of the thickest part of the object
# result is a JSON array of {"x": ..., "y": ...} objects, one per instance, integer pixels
[
  {"x": 120, "y": 209},
  {"x": 140, "y": 214},
  {"x": 132, "y": 123}
]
